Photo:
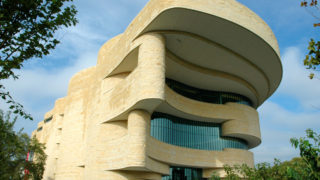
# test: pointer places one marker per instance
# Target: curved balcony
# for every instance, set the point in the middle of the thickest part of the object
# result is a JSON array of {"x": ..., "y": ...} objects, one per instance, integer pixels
[
  {"x": 250, "y": 52},
  {"x": 237, "y": 120},
  {"x": 187, "y": 157}
]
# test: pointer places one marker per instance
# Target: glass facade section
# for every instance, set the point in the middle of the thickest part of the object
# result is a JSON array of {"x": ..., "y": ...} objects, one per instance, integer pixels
[
  {"x": 191, "y": 134},
  {"x": 206, "y": 95},
  {"x": 182, "y": 173}
]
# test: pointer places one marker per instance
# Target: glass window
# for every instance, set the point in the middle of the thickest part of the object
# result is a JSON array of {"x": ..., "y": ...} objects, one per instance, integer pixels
[
  {"x": 206, "y": 95},
  {"x": 183, "y": 173},
  {"x": 191, "y": 134}
]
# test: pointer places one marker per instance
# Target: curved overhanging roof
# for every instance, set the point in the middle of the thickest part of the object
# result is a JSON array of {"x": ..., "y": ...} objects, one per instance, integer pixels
[
  {"x": 234, "y": 42},
  {"x": 216, "y": 45},
  {"x": 211, "y": 44}
]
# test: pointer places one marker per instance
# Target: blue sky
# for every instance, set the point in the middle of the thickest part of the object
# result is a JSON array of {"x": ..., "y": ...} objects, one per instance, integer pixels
[{"x": 292, "y": 109}]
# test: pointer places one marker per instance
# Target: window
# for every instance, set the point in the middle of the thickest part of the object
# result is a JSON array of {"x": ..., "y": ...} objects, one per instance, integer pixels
[
  {"x": 183, "y": 173},
  {"x": 48, "y": 120},
  {"x": 206, "y": 95},
  {"x": 191, "y": 134},
  {"x": 39, "y": 129}
]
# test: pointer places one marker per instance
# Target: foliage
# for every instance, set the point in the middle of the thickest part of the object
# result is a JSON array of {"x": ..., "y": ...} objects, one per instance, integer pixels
[
  {"x": 306, "y": 167},
  {"x": 27, "y": 31},
  {"x": 312, "y": 59},
  {"x": 14, "y": 147},
  {"x": 289, "y": 170},
  {"x": 310, "y": 152}
]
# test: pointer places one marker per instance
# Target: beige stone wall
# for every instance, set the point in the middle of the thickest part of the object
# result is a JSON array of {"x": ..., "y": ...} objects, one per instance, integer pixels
[
  {"x": 110, "y": 139},
  {"x": 101, "y": 129}
]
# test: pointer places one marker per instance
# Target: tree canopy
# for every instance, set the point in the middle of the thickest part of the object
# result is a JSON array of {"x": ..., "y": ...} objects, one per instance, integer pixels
[
  {"x": 309, "y": 147},
  {"x": 305, "y": 167},
  {"x": 27, "y": 30},
  {"x": 312, "y": 59},
  {"x": 14, "y": 147}
]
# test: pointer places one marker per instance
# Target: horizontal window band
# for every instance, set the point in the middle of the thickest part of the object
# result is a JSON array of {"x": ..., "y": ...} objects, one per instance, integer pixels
[
  {"x": 192, "y": 134},
  {"x": 214, "y": 97}
]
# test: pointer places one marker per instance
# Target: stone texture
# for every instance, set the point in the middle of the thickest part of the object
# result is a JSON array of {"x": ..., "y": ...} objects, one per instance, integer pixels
[{"x": 101, "y": 129}]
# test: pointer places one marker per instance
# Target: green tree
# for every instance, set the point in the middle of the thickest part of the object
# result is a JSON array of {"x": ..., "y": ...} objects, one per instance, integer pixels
[
  {"x": 288, "y": 170},
  {"x": 305, "y": 167},
  {"x": 14, "y": 147},
  {"x": 27, "y": 29},
  {"x": 309, "y": 147},
  {"x": 312, "y": 59}
]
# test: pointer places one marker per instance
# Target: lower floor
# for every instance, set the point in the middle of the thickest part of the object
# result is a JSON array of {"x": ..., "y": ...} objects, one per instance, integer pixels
[{"x": 184, "y": 173}]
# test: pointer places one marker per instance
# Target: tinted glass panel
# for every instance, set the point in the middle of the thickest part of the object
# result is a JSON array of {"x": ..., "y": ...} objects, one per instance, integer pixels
[
  {"x": 206, "y": 95},
  {"x": 182, "y": 173},
  {"x": 191, "y": 134}
]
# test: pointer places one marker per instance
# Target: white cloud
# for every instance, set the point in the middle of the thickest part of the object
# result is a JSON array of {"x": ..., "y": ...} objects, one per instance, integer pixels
[
  {"x": 295, "y": 80},
  {"x": 278, "y": 125},
  {"x": 290, "y": 120},
  {"x": 43, "y": 81},
  {"x": 38, "y": 88},
  {"x": 269, "y": 153},
  {"x": 279, "y": 122}
]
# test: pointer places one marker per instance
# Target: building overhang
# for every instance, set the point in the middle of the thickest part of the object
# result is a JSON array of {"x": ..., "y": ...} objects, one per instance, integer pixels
[{"x": 240, "y": 60}]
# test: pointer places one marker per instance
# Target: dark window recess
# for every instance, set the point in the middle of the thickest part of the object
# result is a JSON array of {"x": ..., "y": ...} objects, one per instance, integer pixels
[
  {"x": 39, "y": 129},
  {"x": 191, "y": 134},
  {"x": 48, "y": 120},
  {"x": 206, "y": 95},
  {"x": 183, "y": 173}
]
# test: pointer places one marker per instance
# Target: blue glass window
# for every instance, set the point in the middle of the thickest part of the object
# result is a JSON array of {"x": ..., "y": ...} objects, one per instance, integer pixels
[
  {"x": 191, "y": 134},
  {"x": 206, "y": 95},
  {"x": 183, "y": 173}
]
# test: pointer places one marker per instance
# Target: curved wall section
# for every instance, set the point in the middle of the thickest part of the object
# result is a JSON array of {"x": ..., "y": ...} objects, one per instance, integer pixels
[
  {"x": 192, "y": 134},
  {"x": 206, "y": 95}
]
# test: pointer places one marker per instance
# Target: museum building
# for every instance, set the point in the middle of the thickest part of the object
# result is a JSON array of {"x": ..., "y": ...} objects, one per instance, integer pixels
[{"x": 173, "y": 97}]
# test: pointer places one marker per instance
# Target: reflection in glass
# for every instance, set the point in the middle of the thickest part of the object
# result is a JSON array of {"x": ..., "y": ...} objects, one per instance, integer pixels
[
  {"x": 191, "y": 134},
  {"x": 182, "y": 173},
  {"x": 206, "y": 95}
]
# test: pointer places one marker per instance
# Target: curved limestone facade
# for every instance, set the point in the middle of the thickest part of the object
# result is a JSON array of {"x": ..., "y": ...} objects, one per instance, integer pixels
[{"x": 173, "y": 97}]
